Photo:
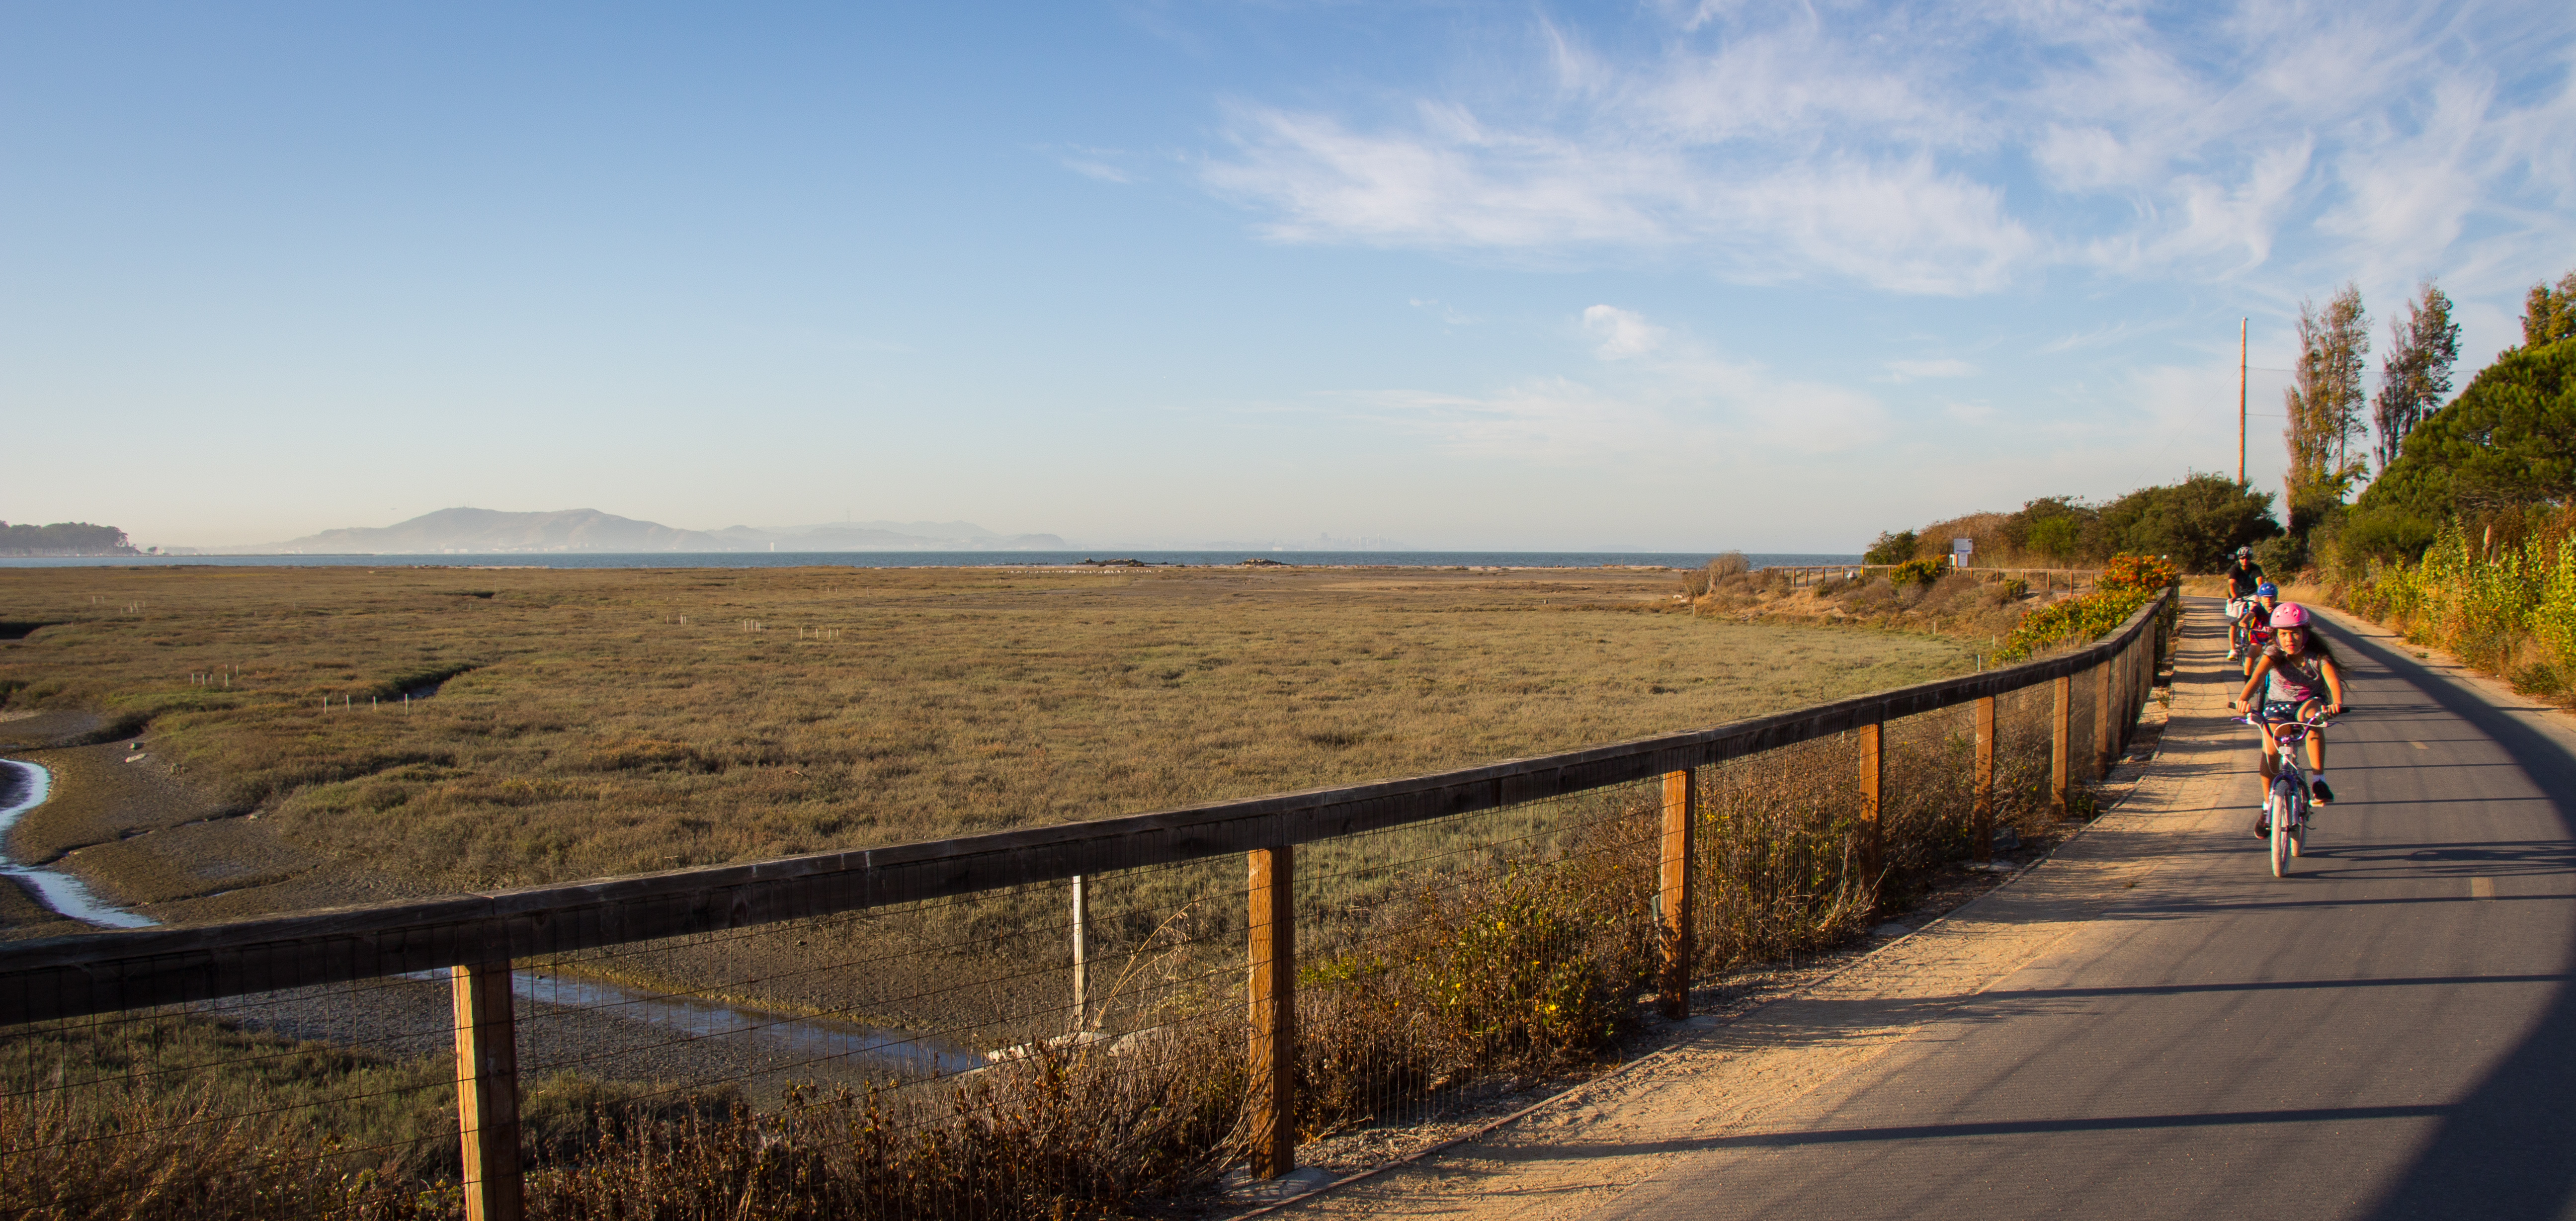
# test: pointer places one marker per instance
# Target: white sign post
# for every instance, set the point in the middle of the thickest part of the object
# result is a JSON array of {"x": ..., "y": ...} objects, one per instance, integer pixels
[{"x": 1960, "y": 550}]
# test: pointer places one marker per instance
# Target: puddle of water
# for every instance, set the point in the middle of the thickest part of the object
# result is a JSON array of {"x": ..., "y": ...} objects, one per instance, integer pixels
[
  {"x": 62, "y": 892},
  {"x": 805, "y": 1039}
]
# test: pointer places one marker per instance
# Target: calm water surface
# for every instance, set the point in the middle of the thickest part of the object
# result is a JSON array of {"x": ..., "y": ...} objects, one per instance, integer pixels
[
  {"x": 24, "y": 786},
  {"x": 938, "y": 559}
]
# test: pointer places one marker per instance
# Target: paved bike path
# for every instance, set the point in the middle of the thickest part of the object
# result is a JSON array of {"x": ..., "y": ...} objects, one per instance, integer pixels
[{"x": 2151, "y": 1025}]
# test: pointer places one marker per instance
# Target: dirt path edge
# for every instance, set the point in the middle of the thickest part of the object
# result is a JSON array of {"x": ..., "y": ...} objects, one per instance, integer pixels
[{"x": 1578, "y": 1150}]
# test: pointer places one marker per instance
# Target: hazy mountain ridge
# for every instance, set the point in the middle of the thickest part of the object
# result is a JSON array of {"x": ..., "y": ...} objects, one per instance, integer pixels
[{"x": 491, "y": 531}]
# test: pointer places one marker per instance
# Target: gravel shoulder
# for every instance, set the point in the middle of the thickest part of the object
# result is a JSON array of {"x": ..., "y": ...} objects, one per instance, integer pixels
[{"x": 1736, "y": 1073}]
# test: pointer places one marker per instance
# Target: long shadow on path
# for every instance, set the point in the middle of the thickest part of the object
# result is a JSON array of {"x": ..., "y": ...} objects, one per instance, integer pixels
[{"x": 2507, "y": 1151}]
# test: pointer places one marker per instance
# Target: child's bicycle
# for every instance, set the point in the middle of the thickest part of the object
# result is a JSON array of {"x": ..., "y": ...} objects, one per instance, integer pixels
[
  {"x": 2257, "y": 635},
  {"x": 2285, "y": 808}
]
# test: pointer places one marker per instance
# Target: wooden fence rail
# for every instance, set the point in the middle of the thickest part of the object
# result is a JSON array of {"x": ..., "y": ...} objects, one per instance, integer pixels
[
  {"x": 2043, "y": 579},
  {"x": 475, "y": 936}
]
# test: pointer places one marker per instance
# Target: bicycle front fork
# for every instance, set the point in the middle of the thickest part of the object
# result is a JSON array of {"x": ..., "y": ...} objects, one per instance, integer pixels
[{"x": 2288, "y": 799}]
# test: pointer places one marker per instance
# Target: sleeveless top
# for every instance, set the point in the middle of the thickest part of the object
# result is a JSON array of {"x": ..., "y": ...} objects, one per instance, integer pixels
[{"x": 2295, "y": 678}]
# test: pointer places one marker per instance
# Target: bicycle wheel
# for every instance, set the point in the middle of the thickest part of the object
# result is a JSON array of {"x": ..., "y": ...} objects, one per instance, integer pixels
[
  {"x": 2299, "y": 826},
  {"x": 2281, "y": 811}
]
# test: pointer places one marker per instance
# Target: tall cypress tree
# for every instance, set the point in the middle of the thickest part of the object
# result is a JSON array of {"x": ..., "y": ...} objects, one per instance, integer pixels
[
  {"x": 2549, "y": 316},
  {"x": 2416, "y": 375},
  {"x": 2325, "y": 400}
]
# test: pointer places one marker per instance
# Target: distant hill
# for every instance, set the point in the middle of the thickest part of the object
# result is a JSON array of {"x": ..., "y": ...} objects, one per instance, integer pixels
[
  {"x": 63, "y": 538},
  {"x": 489, "y": 531}
]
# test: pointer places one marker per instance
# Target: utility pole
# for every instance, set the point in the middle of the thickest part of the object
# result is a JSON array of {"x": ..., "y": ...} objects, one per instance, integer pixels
[{"x": 2240, "y": 401}]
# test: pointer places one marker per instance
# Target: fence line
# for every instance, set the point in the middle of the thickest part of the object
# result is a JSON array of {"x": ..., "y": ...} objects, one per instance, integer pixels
[
  {"x": 2045, "y": 579},
  {"x": 474, "y": 938}
]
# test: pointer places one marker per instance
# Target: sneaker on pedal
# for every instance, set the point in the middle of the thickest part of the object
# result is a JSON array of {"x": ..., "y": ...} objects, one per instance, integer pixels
[
  {"x": 2263, "y": 822},
  {"x": 2318, "y": 790}
]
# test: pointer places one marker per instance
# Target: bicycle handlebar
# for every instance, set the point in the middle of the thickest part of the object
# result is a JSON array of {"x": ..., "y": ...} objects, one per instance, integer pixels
[{"x": 2319, "y": 723}]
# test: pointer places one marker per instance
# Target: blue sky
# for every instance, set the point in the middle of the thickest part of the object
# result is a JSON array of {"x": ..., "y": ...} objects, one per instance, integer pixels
[{"x": 1770, "y": 276}]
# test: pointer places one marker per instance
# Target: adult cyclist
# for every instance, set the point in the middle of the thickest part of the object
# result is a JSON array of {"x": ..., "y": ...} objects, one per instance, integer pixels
[
  {"x": 2242, "y": 576},
  {"x": 2303, "y": 683}
]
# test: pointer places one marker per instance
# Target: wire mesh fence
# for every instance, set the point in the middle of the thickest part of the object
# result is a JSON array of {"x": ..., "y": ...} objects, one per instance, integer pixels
[
  {"x": 298, "y": 1099},
  {"x": 1048, "y": 1048},
  {"x": 935, "y": 1059},
  {"x": 1443, "y": 964}
]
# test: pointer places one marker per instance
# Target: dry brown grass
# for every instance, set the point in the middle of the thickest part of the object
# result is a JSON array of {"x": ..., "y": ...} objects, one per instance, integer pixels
[
  {"x": 1977, "y": 608},
  {"x": 596, "y": 733},
  {"x": 1441, "y": 971},
  {"x": 1512, "y": 942}
]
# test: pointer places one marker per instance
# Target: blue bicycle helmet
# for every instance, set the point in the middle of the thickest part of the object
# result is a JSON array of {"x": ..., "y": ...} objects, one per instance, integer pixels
[{"x": 2267, "y": 590}]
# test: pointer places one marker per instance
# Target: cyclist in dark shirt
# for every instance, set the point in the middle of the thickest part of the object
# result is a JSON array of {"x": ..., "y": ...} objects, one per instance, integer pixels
[{"x": 2242, "y": 577}]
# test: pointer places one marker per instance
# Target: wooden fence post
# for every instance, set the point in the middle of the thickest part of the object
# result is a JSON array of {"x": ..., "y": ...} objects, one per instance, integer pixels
[
  {"x": 1675, "y": 900},
  {"x": 2104, "y": 678},
  {"x": 2124, "y": 669},
  {"x": 1273, "y": 956},
  {"x": 487, "y": 1089},
  {"x": 1984, "y": 821},
  {"x": 1873, "y": 774},
  {"x": 2061, "y": 727},
  {"x": 2136, "y": 688},
  {"x": 1081, "y": 955}
]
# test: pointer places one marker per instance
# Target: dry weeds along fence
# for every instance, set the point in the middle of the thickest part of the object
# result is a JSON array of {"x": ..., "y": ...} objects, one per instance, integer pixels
[{"x": 1044, "y": 1022}]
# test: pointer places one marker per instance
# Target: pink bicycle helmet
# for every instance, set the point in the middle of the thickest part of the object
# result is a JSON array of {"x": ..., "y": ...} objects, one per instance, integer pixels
[{"x": 2289, "y": 614}]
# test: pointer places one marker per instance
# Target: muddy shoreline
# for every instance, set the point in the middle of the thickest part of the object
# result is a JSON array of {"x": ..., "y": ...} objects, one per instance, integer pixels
[
  {"x": 143, "y": 842},
  {"x": 147, "y": 841}
]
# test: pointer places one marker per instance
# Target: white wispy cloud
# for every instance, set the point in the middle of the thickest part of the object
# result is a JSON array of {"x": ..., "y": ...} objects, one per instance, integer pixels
[
  {"x": 1448, "y": 314},
  {"x": 1654, "y": 398},
  {"x": 1621, "y": 333},
  {"x": 1931, "y": 148},
  {"x": 1100, "y": 164},
  {"x": 1910, "y": 370}
]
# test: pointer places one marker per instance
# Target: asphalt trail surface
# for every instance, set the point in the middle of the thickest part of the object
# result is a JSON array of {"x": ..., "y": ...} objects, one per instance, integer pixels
[{"x": 2390, "y": 1033}]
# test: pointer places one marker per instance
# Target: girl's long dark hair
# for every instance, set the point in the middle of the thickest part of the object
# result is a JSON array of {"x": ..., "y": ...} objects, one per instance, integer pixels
[{"x": 2316, "y": 641}]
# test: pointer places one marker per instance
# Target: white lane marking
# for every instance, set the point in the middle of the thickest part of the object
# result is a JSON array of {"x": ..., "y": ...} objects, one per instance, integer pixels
[{"x": 2481, "y": 888}]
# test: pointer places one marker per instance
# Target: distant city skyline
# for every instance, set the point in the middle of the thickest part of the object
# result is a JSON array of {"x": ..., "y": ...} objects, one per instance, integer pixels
[{"x": 1547, "y": 277}]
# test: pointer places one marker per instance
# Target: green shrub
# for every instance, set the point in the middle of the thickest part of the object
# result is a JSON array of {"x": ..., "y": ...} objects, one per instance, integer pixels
[
  {"x": 2135, "y": 572},
  {"x": 2388, "y": 534},
  {"x": 1893, "y": 547},
  {"x": 1917, "y": 572},
  {"x": 2059, "y": 538},
  {"x": 2127, "y": 583},
  {"x": 2197, "y": 522},
  {"x": 2481, "y": 602},
  {"x": 2281, "y": 557}
]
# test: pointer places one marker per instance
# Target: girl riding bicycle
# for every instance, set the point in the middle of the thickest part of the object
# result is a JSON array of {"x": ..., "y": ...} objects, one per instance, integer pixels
[
  {"x": 2257, "y": 622},
  {"x": 2299, "y": 668}
]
